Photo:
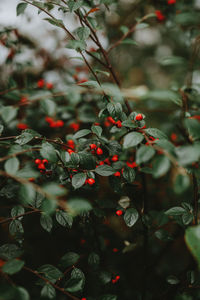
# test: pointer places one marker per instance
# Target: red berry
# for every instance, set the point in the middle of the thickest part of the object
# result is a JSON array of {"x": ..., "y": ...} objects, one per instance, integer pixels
[
  {"x": 107, "y": 124},
  {"x": 171, "y": 2},
  {"x": 99, "y": 151},
  {"x": 49, "y": 85},
  {"x": 31, "y": 179},
  {"x": 114, "y": 281},
  {"x": 53, "y": 124},
  {"x": 115, "y": 250},
  {"x": 119, "y": 124},
  {"x": 41, "y": 83},
  {"x": 82, "y": 81},
  {"x": 70, "y": 151},
  {"x": 24, "y": 100},
  {"x": 82, "y": 241},
  {"x": 111, "y": 120},
  {"x": 70, "y": 142},
  {"x": 139, "y": 117},
  {"x": 59, "y": 123},
  {"x": 45, "y": 161},
  {"x": 49, "y": 119},
  {"x": 117, "y": 277},
  {"x": 107, "y": 161},
  {"x": 173, "y": 137},
  {"x": 41, "y": 166},
  {"x": 74, "y": 126},
  {"x": 83, "y": 299},
  {"x": 119, "y": 212},
  {"x": 117, "y": 174},
  {"x": 93, "y": 146},
  {"x": 96, "y": 124},
  {"x": 115, "y": 158},
  {"x": 131, "y": 165},
  {"x": 38, "y": 161},
  {"x": 22, "y": 126},
  {"x": 90, "y": 181},
  {"x": 101, "y": 163},
  {"x": 159, "y": 15}
]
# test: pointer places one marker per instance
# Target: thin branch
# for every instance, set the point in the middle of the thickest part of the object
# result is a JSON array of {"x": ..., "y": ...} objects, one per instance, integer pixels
[
  {"x": 131, "y": 30},
  {"x": 49, "y": 282},
  {"x": 19, "y": 216}
]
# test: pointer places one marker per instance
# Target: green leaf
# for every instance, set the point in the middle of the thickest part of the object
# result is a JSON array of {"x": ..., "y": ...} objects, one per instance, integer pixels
[
  {"x": 144, "y": 154},
  {"x": 104, "y": 170},
  {"x": 81, "y": 133},
  {"x": 1, "y": 128},
  {"x": 50, "y": 272},
  {"x": 21, "y": 8},
  {"x": 55, "y": 22},
  {"x": 16, "y": 228},
  {"x": 173, "y": 279},
  {"x": 69, "y": 259},
  {"x": 87, "y": 161},
  {"x": 48, "y": 152},
  {"x": 93, "y": 260},
  {"x": 131, "y": 216},
  {"x": 181, "y": 184},
  {"x": 74, "y": 5},
  {"x": 76, "y": 45},
  {"x": 187, "y": 218},
  {"x": 115, "y": 110},
  {"x": 156, "y": 133},
  {"x": 83, "y": 33},
  {"x": 78, "y": 206},
  {"x": 175, "y": 211},
  {"x": 129, "y": 174},
  {"x": 27, "y": 193},
  {"x": 132, "y": 139},
  {"x": 48, "y": 106},
  {"x": 64, "y": 219},
  {"x": 46, "y": 222},
  {"x": 8, "y": 113},
  {"x": 108, "y": 297},
  {"x": 129, "y": 42},
  {"x": 48, "y": 291},
  {"x": 193, "y": 127},
  {"x": 12, "y": 266},
  {"x": 97, "y": 130},
  {"x": 22, "y": 294},
  {"x": 161, "y": 166},
  {"x": 192, "y": 239},
  {"x": 76, "y": 282},
  {"x": 10, "y": 251},
  {"x": 188, "y": 154},
  {"x": 11, "y": 166},
  {"x": 54, "y": 189},
  {"x": 17, "y": 210},
  {"x": 78, "y": 180},
  {"x": 24, "y": 138}
]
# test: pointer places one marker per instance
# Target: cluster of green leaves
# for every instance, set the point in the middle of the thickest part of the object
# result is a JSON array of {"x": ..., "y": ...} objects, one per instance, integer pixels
[{"x": 75, "y": 237}]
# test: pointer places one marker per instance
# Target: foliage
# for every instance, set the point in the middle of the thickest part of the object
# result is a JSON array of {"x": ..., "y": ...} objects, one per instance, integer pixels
[{"x": 100, "y": 169}]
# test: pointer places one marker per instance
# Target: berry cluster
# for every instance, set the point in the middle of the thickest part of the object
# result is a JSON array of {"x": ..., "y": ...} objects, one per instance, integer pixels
[
  {"x": 41, "y": 164},
  {"x": 96, "y": 149},
  {"x": 110, "y": 121},
  {"x": 22, "y": 126},
  {"x": 116, "y": 279},
  {"x": 41, "y": 84},
  {"x": 54, "y": 124},
  {"x": 74, "y": 126}
]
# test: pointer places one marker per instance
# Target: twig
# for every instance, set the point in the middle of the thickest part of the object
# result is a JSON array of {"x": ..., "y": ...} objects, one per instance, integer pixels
[
  {"x": 49, "y": 282},
  {"x": 19, "y": 216}
]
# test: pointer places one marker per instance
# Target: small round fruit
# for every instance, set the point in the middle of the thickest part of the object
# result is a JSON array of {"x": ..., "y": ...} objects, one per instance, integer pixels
[
  {"x": 119, "y": 124},
  {"x": 37, "y": 161},
  {"x": 117, "y": 174},
  {"x": 115, "y": 158},
  {"x": 45, "y": 161},
  {"x": 119, "y": 212},
  {"x": 90, "y": 181},
  {"x": 41, "y": 166},
  {"x": 93, "y": 146},
  {"x": 139, "y": 117},
  {"x": 99, "y": 151}
]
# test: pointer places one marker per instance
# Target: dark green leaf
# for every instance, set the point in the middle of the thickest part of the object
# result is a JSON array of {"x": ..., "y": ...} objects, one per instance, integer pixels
[{"x": 131, "y": 216}]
